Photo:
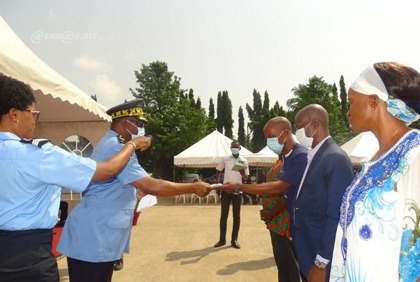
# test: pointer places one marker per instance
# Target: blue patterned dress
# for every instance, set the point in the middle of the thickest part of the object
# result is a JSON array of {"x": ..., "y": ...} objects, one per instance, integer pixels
[{"x": 378, "y": 238}]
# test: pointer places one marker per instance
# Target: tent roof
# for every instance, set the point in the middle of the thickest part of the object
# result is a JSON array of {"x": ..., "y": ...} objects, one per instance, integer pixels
[
  {"x": 265, "y": 157},
  {"x": 362, "y": 147},
  {"x": 57, "y": 98},
  {"x": 208, "y": 152}
]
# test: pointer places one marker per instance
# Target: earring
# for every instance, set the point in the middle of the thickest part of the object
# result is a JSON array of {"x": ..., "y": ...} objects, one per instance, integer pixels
[{"x": 373, "y": 109}]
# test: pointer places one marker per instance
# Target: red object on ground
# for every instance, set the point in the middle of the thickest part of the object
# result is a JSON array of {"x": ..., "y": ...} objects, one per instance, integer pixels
[{"x": 56, "y": 237}]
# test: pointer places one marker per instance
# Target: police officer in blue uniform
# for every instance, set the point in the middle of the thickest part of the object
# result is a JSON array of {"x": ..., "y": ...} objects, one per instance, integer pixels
[
  {"x": 97, "y": 231},
  {"x": 32, "y": 173}
]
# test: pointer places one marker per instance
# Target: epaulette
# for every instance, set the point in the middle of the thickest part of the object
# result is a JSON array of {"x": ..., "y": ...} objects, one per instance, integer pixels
[
  {"x": 39, "y": 142},
  {"x": 121, "y": 139}
]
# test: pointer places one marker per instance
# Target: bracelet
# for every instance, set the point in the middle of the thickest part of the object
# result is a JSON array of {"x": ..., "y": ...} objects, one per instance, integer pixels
[{"x": 133, "y": 144}]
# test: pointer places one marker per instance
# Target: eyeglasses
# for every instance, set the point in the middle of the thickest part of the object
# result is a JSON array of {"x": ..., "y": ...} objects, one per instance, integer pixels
[{"x": 34, "y": 113}]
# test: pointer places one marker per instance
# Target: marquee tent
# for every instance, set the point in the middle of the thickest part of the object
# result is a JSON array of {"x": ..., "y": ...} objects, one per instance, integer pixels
[
  {"x": 264, "y": 158},
  {"x": 208, "y": 152},
  {"x": 362, "y": 147},
  {"x": 65, "y": 109}
]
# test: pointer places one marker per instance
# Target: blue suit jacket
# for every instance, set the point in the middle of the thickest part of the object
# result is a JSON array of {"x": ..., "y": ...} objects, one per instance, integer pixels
[{"x": 317, "y": 208}]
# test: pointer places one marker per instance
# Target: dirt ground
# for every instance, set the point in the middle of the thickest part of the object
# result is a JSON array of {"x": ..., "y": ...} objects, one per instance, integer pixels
[{"x": 175, "y": 243}]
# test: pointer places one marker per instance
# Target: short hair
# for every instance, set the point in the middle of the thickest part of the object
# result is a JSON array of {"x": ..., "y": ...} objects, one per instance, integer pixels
[
  {"x": 401, "y": 82},
  {"x": 14, "y": 94}
]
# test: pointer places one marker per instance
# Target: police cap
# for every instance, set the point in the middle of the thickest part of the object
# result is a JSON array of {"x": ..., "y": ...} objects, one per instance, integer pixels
[{"x": 132, "y": 108}]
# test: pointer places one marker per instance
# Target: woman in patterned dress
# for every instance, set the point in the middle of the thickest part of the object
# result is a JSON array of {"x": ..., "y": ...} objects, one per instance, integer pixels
[{"x": 378, "y": 235}]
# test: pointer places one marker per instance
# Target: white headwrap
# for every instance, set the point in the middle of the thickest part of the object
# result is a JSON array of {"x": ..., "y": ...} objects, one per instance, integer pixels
[{"x": 369, "y": 82}]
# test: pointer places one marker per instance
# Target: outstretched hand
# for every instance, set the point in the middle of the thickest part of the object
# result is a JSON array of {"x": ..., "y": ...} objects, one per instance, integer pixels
[
  {"x": 202, "y": 189},
  {"x": 226, "y": 187}
]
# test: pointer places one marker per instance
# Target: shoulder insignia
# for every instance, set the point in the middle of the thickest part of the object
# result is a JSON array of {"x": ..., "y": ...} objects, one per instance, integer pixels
[
  {"x": 121, "y": 139},
  {"x": 37, "y": 142}
]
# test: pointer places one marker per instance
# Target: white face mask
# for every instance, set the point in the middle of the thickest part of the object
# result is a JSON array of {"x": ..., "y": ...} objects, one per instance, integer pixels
[
  {"x": 235, "y": 151},
  {"x": 302, "y": 138},
  {"x": 140, "y": 131}
]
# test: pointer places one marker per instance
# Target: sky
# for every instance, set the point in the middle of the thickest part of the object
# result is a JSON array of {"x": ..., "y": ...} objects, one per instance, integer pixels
[{"x": 214, "y": 45}]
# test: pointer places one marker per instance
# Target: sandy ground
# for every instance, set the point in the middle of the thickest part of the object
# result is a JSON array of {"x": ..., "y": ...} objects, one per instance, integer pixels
[{"x": 175, "y": 243}]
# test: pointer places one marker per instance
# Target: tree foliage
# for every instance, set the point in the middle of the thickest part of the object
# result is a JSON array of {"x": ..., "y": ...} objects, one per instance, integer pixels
[
  {"x": 175, "y": 120},
  {"x": 224, "y": 121},
  {"x": 317, "y": 91},
  {"x": 241, "y": 127}
]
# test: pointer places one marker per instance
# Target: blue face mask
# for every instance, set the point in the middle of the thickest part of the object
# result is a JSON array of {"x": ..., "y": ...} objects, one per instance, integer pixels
[
  {"x": 140, "y": 131},
  {"x": 274, "y": 145}
]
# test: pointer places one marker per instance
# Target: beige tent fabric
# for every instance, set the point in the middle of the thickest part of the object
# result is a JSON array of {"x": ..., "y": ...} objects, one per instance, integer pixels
[
  {"x": 208, "y": 152},
  {"x": 57, "y": 98}
]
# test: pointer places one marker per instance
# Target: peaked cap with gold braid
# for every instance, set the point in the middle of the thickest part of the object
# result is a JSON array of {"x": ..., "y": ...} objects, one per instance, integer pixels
[{"x": 132, "y": 108}]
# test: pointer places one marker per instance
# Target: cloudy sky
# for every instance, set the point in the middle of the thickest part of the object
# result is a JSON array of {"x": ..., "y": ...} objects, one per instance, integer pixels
[{"x": 238, "y": 46}]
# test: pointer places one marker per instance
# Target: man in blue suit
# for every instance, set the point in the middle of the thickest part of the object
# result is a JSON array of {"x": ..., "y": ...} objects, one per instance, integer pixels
[{"x": 318, "y": 198}]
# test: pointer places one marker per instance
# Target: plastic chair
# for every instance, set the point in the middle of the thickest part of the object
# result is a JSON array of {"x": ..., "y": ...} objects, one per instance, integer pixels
[
  {"x": 195, "y": 197},
  {"x": 212, "y": 194}
]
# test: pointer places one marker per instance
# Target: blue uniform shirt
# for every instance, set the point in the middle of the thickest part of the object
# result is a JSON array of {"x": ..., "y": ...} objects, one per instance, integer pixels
[
  {"x": 292, "y": 171},
  {"x": 99, "y": 228},
  {"x": 31, "y": 178}
]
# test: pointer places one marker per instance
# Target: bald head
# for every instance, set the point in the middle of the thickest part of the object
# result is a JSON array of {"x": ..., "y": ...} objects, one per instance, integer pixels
[
  {"x": 279, "y": 122},
  {"x": 313, "y": 112}
]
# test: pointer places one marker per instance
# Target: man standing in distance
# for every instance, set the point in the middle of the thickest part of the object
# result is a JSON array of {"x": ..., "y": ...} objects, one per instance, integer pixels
[
  {"x": 278, "y": 132},
  {"x": 236, "y": 198},
  {"x": 316, "y": 207}
]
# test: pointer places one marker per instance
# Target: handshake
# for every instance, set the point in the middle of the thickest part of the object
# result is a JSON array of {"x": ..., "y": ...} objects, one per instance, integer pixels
[{"x": 227, "y": 187}]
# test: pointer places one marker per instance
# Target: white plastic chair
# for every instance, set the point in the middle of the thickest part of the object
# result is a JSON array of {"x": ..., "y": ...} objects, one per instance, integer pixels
[
  {"x": 195, "y": 197},
  {"x": 212, "y": 194}
]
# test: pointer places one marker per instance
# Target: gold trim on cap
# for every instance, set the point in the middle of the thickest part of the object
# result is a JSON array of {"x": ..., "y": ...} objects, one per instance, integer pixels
[{"x": 128, "y": 113}]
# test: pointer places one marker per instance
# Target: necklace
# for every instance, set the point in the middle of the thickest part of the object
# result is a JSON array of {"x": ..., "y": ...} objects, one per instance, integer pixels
[{"x": 385, "y": 148}]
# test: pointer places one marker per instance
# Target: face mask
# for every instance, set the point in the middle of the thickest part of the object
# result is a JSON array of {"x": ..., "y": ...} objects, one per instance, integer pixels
[
  {"x": 140, "y": 131},
  {"x": 274, "y": 145},
  {"x": 235, "y": 151},
  {"x": 302, "y": 138}
]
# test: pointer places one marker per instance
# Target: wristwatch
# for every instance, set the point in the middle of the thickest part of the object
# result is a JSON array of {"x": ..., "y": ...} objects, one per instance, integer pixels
[
  {"x": 237, "y": 188},
  {"x": 320, "y": 264}
]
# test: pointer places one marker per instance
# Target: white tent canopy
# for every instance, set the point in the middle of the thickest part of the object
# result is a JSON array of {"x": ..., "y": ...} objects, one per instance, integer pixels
[
  {"x": 58, "y": 99},
  {"x": 264, "y": 158},
  {"x": 208, "y": 152},
  {"x": 362, "y": 147}
]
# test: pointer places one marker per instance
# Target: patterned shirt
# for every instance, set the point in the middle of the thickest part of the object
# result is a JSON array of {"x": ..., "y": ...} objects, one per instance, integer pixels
[{"x": 280, "y": 223}]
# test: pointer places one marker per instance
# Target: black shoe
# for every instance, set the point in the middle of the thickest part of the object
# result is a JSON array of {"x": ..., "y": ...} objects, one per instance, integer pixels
[
  {"x": 219, "y": 244},
  {"x": 119, "y": 264},
  {"x": 235, "y": 244}
]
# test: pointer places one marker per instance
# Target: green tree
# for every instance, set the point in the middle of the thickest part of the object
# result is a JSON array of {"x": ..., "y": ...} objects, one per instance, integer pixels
[
  {"x": 258, "y": 116},
  {"x": 241, "y": 127},
  {"x": 317, "y": 91},
  {"x": 343, "y": 98},
  {"x": 174, "y": 123},
  {"x": 219, "y": 118},
  {"x": 227, "y": 115}
]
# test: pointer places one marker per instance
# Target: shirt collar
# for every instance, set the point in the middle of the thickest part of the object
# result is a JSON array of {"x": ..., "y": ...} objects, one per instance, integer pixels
[{"x": 313, "y": 151}]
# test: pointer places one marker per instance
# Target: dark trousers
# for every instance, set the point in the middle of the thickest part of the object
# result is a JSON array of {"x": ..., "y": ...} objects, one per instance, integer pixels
[
  {"x": 287, "y": 267},
  {"x": 84, "y": 271},
  {"x": 64, "y": 208},
  {"x": 236, "y": 201},
  {"x": 27, "y": 256}
]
